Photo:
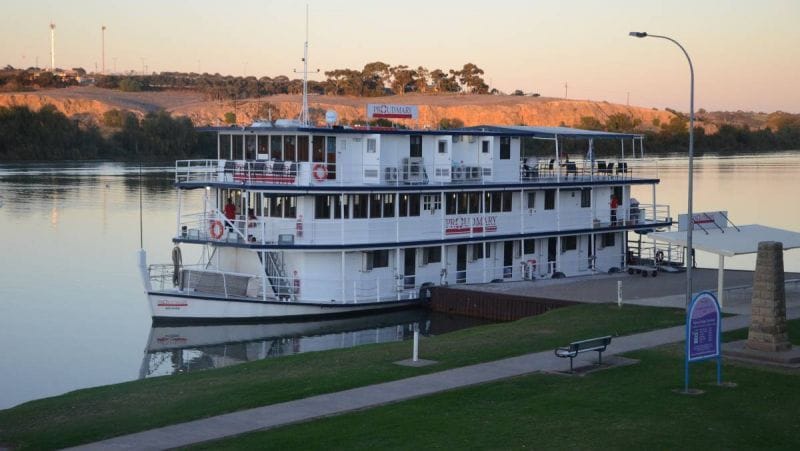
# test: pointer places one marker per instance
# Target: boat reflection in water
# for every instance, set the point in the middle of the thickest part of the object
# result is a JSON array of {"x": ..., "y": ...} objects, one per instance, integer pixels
[{"x": 176, "y": 349}]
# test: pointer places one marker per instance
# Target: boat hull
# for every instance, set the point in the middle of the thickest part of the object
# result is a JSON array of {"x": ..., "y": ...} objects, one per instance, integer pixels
[{"x": 182, "y": 308}]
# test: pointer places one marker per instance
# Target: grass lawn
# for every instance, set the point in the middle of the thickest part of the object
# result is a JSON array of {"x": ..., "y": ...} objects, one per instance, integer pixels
[
  {"x": 631, "y": 407},
  {"x": 93, "y": 414}
]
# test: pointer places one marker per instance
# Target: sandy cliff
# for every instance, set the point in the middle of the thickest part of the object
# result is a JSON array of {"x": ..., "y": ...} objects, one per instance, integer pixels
[{"x": 88, "y": 103}]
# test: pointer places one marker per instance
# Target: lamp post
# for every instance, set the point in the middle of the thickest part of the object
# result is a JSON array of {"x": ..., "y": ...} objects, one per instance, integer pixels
[{"x": 689, "y": 250}]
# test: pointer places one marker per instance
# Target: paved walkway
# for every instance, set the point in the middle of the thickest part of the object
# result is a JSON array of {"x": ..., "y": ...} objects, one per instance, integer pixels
[{"x": 315, "y": 407}]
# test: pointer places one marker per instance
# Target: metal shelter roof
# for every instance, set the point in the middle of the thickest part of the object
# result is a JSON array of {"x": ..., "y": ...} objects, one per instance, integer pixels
[
  {"x": 547, "y": 132},
  {"x": 732, "y": 241}
]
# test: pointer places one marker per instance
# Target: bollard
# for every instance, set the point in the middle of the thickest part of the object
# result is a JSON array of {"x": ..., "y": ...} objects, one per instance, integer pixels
[
  {"x": 415, "y": 355},
  {"x": 619, "y": 293}
]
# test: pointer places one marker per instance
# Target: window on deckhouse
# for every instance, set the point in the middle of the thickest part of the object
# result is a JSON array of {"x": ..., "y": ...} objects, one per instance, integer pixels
[
  {"x": 415, "y": 149},
  {"x": 505, "y": 148}
]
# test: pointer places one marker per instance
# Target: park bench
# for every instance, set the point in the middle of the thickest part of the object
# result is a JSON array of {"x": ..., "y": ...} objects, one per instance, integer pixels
[{"x": 598, "y": 344}]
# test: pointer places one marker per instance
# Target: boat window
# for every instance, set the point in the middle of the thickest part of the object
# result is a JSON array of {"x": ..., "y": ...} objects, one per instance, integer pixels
[
  {"x": 276, "y": 207},
  {"x": 276, "y": 147},
  {"x": 549, "y": 199},
  {"x": 505, "y": 148},
  {"x": 431, "y": 202},
  {"x": 506, "y": 196},
  {"x": 331, "y": 156},
  {"x": 360, "y": 204},
  {"x": 388, "y": 205},
  {"x": 289, "y": 148},
  {"x": 609, "y": 239},
  {"x": 372, "y": 145},
  {"x": 376, "y": 259},
  {"x": 529, "y": 246},
  {"x": 415, "y": 149},
  {"x": 250, "y": 147},
  {"x": 225, "y": 147},
  {"x": 413, "y": 205},
  {"x": 569, "y": 243},
  {"x": 586, "y": 197},
  {"x": 431, "y": 254},
  {"x": 318, "y": 149},
  {"x": 485, "y": 146},
  {"x": 337, "y": 206},
  {"x": 238, "y": 147},
  {"x": 442, "y": 146},
  {"x": 290, "y": 207},
  {"x": 450, "y": 203},
  {"x": 263, "y": 145},
  {"x": 477, "y": 251},
  {"x": 474, "y": 202},
  {"x": 463, "y": 203},
  {"x": 375, "y": 206},
  {"x": 322, "y": 207},
  {"x": 531, "y": 199},
  {"x": 302, "y": 148}
]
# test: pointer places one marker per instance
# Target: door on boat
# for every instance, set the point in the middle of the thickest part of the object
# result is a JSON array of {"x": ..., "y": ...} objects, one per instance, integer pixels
[
  {"x": 508, "y": 259},
  {"x": 461, "y": 263},
  {"x": 409, "y": 267},
  {"x": 552, "y": 243}
]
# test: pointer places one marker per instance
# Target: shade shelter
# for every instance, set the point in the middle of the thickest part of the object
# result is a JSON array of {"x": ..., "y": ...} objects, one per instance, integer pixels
[{"x": 729, "y": 242}]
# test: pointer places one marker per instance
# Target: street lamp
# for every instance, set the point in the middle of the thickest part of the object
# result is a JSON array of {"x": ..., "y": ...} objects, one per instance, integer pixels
[{"x": 642, "y": 34}]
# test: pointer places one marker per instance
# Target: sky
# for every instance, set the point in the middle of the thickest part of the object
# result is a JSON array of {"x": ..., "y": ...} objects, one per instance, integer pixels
[{"x": 746, "y": 53}]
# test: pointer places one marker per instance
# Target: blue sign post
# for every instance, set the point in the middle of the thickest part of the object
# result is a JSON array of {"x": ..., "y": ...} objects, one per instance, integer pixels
[{"x": 703, "y": 329}]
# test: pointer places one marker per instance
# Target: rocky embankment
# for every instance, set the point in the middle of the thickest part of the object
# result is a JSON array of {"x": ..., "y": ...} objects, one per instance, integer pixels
[{"x": 89, "y": 104}]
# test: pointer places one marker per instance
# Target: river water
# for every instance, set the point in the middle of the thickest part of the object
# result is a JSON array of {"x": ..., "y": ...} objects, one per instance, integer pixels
[{"x": 72, "y": 309}]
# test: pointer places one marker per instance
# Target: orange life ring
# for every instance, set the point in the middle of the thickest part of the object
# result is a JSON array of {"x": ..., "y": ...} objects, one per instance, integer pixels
[
  {"x": 216, "y": 229},
  {"x": 320, "y": 172}
]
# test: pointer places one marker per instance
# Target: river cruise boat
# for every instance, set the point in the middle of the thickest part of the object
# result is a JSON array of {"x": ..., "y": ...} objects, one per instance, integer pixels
[{"x": 302, "y": 221}]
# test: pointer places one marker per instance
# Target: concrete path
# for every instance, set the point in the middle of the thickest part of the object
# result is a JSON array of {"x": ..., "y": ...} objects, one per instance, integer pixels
[{"x": 315, "y": 407}]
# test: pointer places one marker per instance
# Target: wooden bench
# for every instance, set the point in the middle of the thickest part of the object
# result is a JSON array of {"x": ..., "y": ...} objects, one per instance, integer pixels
[{"x": 598, "y": 344}]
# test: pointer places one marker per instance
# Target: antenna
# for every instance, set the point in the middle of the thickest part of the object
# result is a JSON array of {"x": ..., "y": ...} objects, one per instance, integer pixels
[
  {"x": 52, "y": 47},
  {"x": 304, "y": 111}
]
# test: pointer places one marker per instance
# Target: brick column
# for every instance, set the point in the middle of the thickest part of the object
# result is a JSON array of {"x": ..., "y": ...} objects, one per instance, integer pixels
[{"x": 768, "y": 308}]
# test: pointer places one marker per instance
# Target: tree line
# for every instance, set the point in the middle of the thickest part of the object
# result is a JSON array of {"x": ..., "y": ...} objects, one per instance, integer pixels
[
  {"x": 375, "y": 79},
  {"x": 48, "y": 134},
  {"x": 782, "y": 132}
]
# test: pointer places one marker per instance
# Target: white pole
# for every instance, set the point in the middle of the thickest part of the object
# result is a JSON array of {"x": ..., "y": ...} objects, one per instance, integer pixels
[
  {"x": 415, "y": 354},
  {"x": 721, "y": 280},
  {"x": 619, "y": 293}
]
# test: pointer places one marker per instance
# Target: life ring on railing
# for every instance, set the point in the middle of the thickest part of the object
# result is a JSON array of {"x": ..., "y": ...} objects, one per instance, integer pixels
[
  {"x": 216, "y": 229},
  {"x": 320, "y": 172},
  {"x": 659, "y": 256}
]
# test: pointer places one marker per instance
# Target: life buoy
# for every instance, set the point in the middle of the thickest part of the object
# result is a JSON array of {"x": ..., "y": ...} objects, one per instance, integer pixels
[
  {"x": 320, "y": 172},
  {"x": 660, "y": 256},
  {"x": 216, "y": 229}
]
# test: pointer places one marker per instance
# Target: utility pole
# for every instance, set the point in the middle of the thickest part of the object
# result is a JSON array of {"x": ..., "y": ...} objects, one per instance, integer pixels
[
  {"x": 628, "y": 99},
  {"x": 143, "y": 66},
  {"x": 103, "y": 47},
  {"x": 52, "y": 47},
  {"x": 566, "y": 87}
]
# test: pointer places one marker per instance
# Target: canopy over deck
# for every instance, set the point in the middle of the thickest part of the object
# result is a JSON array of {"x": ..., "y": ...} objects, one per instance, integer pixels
[{"x": 730, "y": 241}]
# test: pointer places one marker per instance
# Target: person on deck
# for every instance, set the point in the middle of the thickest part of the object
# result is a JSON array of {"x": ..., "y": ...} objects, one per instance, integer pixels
[
  {"x": 614, "y": 204},
  {"x": 230, "y": 213}
]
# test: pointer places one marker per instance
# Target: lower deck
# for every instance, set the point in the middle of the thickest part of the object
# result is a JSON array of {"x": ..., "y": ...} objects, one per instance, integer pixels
[{"x": 390, "y": 274}]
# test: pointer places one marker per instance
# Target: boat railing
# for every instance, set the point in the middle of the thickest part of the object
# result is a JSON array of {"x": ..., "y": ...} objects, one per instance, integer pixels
[
  {"x": 406, "y": 171},
  {"x": 214, "y": 227}
]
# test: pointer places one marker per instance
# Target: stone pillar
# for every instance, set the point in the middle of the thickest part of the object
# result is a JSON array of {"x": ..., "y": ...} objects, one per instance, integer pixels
[{"x": 768, "y": 308}]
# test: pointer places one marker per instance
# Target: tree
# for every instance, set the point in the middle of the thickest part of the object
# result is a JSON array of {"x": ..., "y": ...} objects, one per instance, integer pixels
[
  {"x": 442, "y": 82},
  {"x": 402, "y": 79},
  {"x": 376, "y": 76},
  {"x": 447, "y": 123},
  {"x": 115, "y": 118},
  {"x": 230, "y": 117},
  {"x": 621, "y": 122},
  {"x": 130, "y": 85},
  {"x": 590, "y": 123},
  {"x": 518, "y": 92},
  {"x": 470, "y": 77}
]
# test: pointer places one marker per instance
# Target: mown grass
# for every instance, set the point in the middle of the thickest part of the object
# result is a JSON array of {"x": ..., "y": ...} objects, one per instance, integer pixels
[
  {"x": 631, "y": 407},
  {"x": 98, "y": 413}
]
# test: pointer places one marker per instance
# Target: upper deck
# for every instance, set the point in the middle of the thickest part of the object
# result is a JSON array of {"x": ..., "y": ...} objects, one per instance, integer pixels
[{"x": 330, "y": 158}]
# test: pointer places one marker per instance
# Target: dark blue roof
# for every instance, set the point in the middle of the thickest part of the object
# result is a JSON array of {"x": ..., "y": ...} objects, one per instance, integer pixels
[{"x": 479, "y": 130}]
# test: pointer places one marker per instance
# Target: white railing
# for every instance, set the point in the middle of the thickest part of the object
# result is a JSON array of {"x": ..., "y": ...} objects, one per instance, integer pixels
[
  {"x": 404, "y": 171},
  {"x": 213, "y": 226}
]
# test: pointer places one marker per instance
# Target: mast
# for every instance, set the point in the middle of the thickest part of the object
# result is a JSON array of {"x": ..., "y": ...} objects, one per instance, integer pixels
[{"x": 304, "y": 112}]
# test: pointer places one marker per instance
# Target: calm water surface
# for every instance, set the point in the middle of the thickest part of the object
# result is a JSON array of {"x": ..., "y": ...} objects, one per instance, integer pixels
[{"x": 72, "y": 309}]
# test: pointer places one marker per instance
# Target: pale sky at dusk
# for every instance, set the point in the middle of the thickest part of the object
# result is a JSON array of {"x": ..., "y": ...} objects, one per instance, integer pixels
[{"x": 746, "y": 53}]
